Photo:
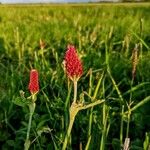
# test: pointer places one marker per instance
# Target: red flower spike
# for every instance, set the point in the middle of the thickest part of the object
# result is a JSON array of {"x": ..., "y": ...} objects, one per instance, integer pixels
[
  {"x": 33, "y": 84},
  {"x": 73, "y": 65}
]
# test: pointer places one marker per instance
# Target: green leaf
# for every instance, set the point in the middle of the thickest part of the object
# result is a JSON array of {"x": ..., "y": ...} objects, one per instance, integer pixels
[
  {"x": 44, "y": 130},
  {"x": 116, "y": 143},
  {"x": 20, "y": 101},
  {"x": 43, "y": 120},
  {"x": 10, "y": 142},
  {"x": 141, "y": 103},
  {"x": 146, "y": 142},
  {"x": 137, "y": 87}
]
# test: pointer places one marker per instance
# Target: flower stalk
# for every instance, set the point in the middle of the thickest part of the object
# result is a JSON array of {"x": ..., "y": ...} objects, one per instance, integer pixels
[
  {"x": 75, "y": 91},
  {"x": 31, "y": 112},
  {"x": 74, "y": 69},
  {"x": 74, "y": 109},
  {"x": 33, "y": 88}
]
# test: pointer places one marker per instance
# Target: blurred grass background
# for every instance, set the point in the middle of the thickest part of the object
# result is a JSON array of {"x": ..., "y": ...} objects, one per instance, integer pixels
[{"x": 93, "y": 29}]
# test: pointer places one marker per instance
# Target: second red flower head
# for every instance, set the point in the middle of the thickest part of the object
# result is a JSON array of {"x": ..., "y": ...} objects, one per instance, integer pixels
[{"x": 73, "y": 64}]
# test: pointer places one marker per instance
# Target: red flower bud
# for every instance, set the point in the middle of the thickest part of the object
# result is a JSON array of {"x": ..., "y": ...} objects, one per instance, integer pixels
[
  {"x": 33, "y": 84},
  {"x": 73, "y": 65}
]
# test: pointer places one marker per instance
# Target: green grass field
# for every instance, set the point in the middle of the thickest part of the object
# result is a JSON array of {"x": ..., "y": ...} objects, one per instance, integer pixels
[{"x": 105, "y": 36}]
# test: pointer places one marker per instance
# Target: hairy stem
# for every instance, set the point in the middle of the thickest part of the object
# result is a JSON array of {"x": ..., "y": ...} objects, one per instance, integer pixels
[
  {"x": 75, "y": 91},
  {"x": 31, "y": 111},
  {"x": 73, "y": 111}
]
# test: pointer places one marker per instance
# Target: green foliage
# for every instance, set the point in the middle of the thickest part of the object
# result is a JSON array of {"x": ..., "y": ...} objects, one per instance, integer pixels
[
  {"x": 146, "y": 142},
  {"x": 104, "y": 36}
]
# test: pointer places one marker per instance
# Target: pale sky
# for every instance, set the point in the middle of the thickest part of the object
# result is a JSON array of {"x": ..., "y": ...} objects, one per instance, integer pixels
[{"x": 43, "y": 1}]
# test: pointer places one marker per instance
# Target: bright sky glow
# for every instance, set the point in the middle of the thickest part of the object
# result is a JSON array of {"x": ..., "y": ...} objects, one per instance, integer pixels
[{"x": 44, "y": 1}]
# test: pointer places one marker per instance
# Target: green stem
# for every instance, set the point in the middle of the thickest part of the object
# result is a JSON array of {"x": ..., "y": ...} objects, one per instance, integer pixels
[
  {"x": 116, "y": 86},
  {"x": 121, "y": 127},
  {"x": 141, "y": 103},
  {"x": 129, "y": 110},
  {"x": 90, "y": 122},
  {"x": 75, "y": 91},
  {"x": 30, "y": 118},
  {"x": 31, "y": 111},
  {"x": 102, "y": 146},
  {"x": 128, "y": 124},
  {"x": 73, "y": 111},
  {"x": 91, "y": 110}
]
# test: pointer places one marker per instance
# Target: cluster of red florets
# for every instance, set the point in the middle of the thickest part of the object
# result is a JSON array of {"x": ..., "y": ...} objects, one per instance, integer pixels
[
  {"x": 73, "y": 65},
  {"x": 34, "y": 83}
]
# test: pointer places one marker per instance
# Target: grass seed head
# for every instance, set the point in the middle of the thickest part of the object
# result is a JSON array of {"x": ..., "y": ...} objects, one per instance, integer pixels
[
  {"x": 134, "y": 61},
  {"x": 42, "y": 44}
]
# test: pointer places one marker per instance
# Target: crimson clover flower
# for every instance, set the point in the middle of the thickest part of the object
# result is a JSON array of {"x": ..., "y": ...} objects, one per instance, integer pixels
[
  {"x": 34, "y": 83},
  {"x": 73, "y": 64}
]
